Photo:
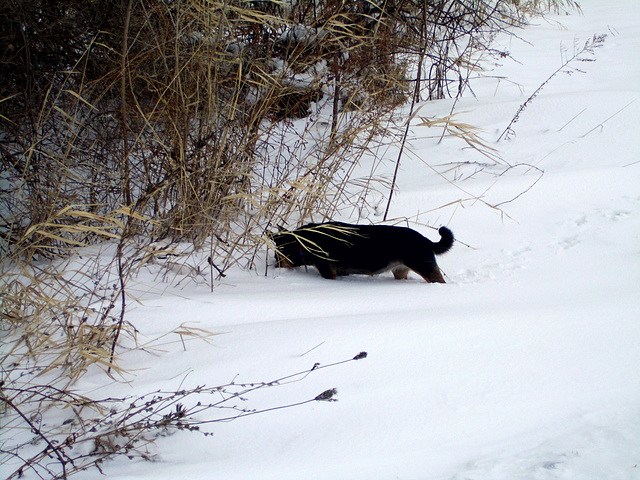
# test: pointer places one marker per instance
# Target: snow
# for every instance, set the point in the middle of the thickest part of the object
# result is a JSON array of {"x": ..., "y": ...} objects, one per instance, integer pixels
[{"x": 525, "y": 365}]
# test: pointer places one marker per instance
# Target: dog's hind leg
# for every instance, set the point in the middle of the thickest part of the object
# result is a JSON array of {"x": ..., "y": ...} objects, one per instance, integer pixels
[
  {"x": 400, "y": 272},
  {"x": 429, "y": 271},
  {"x": 436, "y": 276}
]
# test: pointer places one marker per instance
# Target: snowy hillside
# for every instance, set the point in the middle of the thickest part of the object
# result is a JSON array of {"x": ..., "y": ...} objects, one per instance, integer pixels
[{"x": 525, "y": 365}]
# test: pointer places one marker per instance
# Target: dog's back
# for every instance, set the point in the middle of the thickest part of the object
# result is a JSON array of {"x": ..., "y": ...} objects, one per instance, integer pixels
[{"x": 336, "y": 248}]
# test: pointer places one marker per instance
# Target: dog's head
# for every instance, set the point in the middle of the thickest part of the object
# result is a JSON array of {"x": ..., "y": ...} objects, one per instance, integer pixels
[{"x": 288, "y": 250}]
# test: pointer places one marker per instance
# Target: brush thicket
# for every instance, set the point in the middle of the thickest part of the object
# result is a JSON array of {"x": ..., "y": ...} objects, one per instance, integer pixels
[{"x": 217, "y": 121}]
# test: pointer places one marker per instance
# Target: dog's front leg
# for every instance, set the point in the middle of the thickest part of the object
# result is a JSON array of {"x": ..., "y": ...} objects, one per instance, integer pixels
[
  {"x": 400, "y": 272},
  {"x": 326, "y": 269}
]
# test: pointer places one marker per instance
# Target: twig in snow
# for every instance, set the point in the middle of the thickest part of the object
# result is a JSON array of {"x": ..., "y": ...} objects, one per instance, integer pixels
[{"x": 608, "y": 118}]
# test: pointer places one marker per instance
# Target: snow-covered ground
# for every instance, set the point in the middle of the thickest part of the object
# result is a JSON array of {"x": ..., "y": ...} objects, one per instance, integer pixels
[{"x": 525, "y": 365}]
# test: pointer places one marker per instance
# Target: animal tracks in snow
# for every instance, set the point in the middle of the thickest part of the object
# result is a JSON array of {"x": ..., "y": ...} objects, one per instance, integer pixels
[
  {"x": 497, "y": 266},
  {"x": 593, "y": 225},
  {"x": 599, "y": 227}
]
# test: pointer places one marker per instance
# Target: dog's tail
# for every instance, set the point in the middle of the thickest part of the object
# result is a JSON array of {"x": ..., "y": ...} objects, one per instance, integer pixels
[{"x": 445, "y": 243}]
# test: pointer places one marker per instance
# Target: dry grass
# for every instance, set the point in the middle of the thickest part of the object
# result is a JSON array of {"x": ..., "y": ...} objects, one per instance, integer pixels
[
  {"x": 538, "y": 7},
  {"x": 467, "y": 133}
]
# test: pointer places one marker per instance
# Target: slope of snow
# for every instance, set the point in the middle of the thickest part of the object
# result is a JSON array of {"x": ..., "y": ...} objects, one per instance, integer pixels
[{"x": 525, "y": 365}]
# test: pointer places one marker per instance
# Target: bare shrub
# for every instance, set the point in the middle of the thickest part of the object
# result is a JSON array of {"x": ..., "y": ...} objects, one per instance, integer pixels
[{"x": 96, "y": 430}]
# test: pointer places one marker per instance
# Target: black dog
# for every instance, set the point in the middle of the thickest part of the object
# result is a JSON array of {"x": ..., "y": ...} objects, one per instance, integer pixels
[{"x": 337, "y": 249}]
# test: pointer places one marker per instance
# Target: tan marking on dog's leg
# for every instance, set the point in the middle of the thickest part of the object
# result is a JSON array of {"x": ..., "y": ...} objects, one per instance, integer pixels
[
  {"x": 400, "y": 272},
  {"x": 327, "y": 271},
  {"x": 436, "y": 276}
]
